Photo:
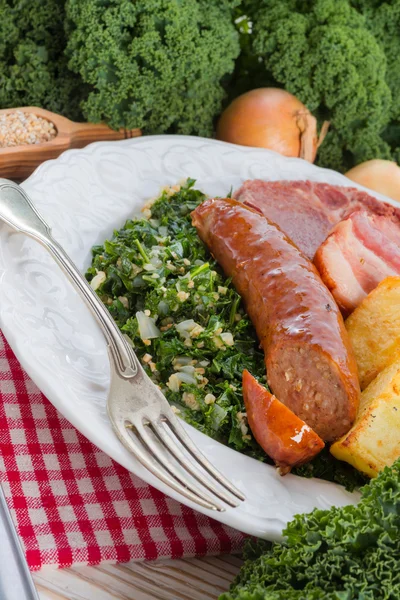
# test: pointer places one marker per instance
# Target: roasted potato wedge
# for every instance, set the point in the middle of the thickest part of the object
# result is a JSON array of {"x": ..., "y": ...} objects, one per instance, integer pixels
[
  {"x": 374, "y": 440},
  {"x": 374, "y": 330}
]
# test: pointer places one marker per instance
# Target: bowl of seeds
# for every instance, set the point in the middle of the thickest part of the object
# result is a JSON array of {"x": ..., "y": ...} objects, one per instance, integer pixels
[{"x": 30, "y": 135}]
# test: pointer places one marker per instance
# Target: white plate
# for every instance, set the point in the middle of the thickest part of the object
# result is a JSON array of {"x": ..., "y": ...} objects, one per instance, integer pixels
[{"x": 84, "y": 195}]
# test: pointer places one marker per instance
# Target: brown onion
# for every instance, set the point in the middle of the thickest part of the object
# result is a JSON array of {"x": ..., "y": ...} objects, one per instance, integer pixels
[
  {"x": 271, "y": 118},
  {"x": 382, "y": 176}
]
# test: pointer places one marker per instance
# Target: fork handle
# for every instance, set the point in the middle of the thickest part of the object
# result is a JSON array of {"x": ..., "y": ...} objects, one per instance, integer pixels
[
  {"x": 17, "y": 210},
  {"x": 124, "y": 356}
]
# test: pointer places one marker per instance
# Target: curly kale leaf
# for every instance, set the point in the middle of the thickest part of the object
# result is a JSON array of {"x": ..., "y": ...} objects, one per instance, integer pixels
[
  {"x": 323, "y": 53},
  {"x": 33, "y": 68},
  {"x": 156, "y": 64},
  {"x": 383, "y": 20},
  {"x": 344, "y": 553}
]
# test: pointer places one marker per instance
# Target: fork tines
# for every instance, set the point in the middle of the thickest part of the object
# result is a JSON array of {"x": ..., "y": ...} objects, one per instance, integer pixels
[{"x": 153, "y": 433}]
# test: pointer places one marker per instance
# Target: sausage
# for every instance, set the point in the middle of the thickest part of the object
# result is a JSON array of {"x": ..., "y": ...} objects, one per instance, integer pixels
[
  {"x": 310, "y": 364},
  {"x": 284, "y": 437}
]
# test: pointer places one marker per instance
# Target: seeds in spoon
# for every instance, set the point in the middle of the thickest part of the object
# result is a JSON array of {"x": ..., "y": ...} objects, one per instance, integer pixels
[{"x": 19, "y": 128}]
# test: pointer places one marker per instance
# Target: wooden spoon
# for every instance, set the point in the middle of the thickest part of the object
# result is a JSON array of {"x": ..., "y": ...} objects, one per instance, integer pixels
[{"x": 17, "y": 162}]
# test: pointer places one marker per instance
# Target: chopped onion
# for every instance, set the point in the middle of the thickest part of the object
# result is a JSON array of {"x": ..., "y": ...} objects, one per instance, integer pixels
[
  {"x": 227, "y": 338},
  {"x": 186, "y": 325},
  {"x": 187, "y": 369},
  {"x": 204, "y": 363},
  {"x": 190, "y": 400},
  {"x": 185, "y": 378},
  {"x": 154, "y": 260},
  {"x": 97, "y": 280},
  {"x": 218, "y": 341},
  {"x": 147, "y": 327},
  {"x": 181, "y": 361},
  {"x": 382, "y": 176},
  {"x": 163, "y": 308},
  {"x": 173, "y": 383},
  {"x": 271, "y": 118},
  {"x": 149, "y": 267}
]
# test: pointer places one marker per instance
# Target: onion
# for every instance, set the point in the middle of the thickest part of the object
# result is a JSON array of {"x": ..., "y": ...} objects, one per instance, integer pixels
[
  {"x": 271, "y": 118},
  {"x": 382, "y": 176},
  {"x": 147, "y": 327},
  {"x": 188, "y": 369},
  {"x": 185, "y": 325},
  {"x": 227, "y": 338},
  {"x": 179, "y": 361},
  {"x": 97, "y": 280},
  {"x": 186, "y": 378}
]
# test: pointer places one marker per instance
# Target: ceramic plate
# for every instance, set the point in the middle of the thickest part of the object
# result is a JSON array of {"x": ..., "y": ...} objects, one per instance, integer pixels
[{"x": 84, "y": 195}]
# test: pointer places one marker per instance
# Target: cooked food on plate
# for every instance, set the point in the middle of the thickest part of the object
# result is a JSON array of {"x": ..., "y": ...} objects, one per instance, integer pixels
[
  {"x": 374, "y": 330},
  {"x": 358, "y": 254},
  {"x": 288, "y": 440},
  {"x": 374, "y": 440},
  {"x": 310, "y": 364},
  {"x": 307, "y": 210},
  {"x": 199, "y": 299}
]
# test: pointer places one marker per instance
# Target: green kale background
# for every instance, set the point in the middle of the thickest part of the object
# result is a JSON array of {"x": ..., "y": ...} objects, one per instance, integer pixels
[
  {"x": 339, "y": 57},
  {"x": 169, "y": 66},
  {"x": 154, "y": 64},
  {"x": 33, "y": 64},
  {"x": 349, "y": 553}
]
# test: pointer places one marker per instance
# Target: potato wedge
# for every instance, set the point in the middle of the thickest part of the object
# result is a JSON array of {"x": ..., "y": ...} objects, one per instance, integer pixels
[
  {"x": 374, "y": 330},
  {"x": 374, "y": 440}
]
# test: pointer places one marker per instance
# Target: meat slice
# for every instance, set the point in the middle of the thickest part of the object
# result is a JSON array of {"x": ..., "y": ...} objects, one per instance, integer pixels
[
  {"x": 284, "y": 437},
  {"x": 305, "y": 210},
  {"x": 359, "y": 253},
  {"x": 310, "y": 365}
]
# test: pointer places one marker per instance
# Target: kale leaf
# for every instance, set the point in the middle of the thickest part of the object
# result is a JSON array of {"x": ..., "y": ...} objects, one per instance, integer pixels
[
  {"x": 325, "y": 54},
  {"x": 348, "y": 553},
  {"x": 33, "y": 67},
  {"x": 153, "y": 64}
]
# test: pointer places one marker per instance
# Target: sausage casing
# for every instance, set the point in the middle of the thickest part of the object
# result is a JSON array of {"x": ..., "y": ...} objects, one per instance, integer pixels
[{"x": 310, "y": 364}]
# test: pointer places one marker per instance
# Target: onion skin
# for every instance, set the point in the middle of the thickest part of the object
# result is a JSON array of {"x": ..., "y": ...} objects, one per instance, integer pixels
[
  {"x": 382, "y": 176},
  {"x": 270, "y": 118}
]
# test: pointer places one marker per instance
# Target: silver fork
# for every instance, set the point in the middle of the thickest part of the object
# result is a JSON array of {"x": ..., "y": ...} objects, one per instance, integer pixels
[{"x": 140, "y": 415}]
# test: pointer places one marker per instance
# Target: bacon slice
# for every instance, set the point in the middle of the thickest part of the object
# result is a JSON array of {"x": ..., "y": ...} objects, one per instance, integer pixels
[
  {"x": 305, "y": 210},
  {"x": 287, "y": 439},
  {"x": 357, "y": 255}
]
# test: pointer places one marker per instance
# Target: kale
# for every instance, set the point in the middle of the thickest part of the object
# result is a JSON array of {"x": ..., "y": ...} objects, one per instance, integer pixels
[
  {"x": 159, "y": 265},
  {"x": 33, "y": 67},
  {"x": 153, "y": 64},
  {"x": 348, "y": 553},
  {"x": 336, "y": 62}
]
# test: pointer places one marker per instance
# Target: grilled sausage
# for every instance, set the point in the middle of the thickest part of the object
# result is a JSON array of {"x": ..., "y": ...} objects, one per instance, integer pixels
[
  {"x": 310, "y": 364},
  {"x": 285, "y": 438}
]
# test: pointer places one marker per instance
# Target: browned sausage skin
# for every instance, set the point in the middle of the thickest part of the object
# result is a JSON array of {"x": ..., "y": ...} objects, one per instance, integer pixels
[{"x": 310, "y": 365}]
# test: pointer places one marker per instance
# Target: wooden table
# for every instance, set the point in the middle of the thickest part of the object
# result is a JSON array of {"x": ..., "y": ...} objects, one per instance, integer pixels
[{"x": 187, "y": 579}]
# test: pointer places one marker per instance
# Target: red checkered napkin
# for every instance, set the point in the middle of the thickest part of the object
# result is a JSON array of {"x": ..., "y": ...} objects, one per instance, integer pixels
[{"x": 72, "y": 504}]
